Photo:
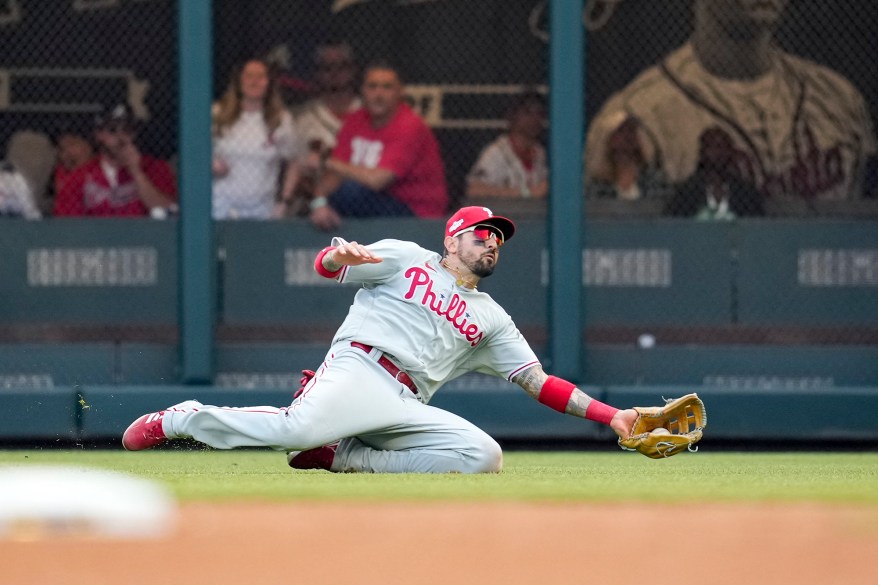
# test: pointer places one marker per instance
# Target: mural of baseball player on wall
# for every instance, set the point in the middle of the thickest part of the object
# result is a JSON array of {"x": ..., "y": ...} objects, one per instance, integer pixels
[{"x": 794, "y": 128}]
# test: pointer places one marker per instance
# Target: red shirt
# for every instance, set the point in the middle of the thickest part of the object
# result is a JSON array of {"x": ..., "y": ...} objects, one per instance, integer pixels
[
  {"x": 87, "y": 191},
  {"x": 62, "y": 174},
  {"x": 407, "y": 148}
]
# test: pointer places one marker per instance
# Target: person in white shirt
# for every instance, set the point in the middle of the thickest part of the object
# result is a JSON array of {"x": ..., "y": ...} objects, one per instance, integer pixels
[
  {"x": 335, "y": 77},
  {"x": 255, "y": 142},
  {"x": 320, "y": 118},
  {"x": 16, "y": 198},
  {"x": 514, "y": 165}
]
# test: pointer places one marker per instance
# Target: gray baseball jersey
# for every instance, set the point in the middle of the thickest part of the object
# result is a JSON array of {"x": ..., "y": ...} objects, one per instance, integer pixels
[
  {"x": 412, "y": 309},
  {"x": 801, "y": 129}
]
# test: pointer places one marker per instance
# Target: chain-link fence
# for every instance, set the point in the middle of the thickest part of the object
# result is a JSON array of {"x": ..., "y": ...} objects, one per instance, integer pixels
[
  {"x": 732, "y": 108},
  {"x": 705, "y": 109},
  {"x": 86, "y": 302},
  {"x": 695, "y": 108},
  {"x": 66, "y": 64},
  {"x": 725, "y": 109},
  {"x": 463, "y": 64}
]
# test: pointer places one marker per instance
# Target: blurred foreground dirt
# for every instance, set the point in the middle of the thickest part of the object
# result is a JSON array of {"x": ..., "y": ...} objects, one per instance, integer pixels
[{"x": 478, "y": 543}]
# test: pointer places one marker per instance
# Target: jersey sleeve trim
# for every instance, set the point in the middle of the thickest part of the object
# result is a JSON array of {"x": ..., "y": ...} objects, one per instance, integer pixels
[{"x": 520, "y": 369}]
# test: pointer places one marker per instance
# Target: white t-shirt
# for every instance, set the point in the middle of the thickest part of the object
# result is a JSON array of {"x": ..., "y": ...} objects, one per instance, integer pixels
[
  {"x": 499, "y": 165},
  {"x": 254, "y": 158},
  {"x": 411, "y": 308},
  {"x": 316, "y": 122},
  {"x": 16, "y": 199}
]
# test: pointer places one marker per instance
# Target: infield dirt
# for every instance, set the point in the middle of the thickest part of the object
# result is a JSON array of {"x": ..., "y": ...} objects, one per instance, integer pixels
[{"x": 478, "y": 543}]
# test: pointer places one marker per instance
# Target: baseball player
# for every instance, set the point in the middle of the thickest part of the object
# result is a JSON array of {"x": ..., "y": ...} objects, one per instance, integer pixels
[
  {"x": 796, "y": 128},
  {"x": 417, "y": 322}
]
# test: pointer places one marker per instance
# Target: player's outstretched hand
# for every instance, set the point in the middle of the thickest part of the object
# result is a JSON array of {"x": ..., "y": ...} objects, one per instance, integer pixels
[
  {"x": 354, "y": 254},
  {"x": 623, "y": 422}
]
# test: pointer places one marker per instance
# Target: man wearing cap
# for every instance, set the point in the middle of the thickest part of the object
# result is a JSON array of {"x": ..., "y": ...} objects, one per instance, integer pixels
[
  {"x": 120, "y": 181},
  {"x": 417, "y": 322}
]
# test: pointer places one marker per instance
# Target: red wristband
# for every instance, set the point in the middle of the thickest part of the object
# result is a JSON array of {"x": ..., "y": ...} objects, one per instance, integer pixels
[
  {"x": 320, "y": 268},
  {"x": 600, "y": 412},
  {"x": 556, "y": 392}
]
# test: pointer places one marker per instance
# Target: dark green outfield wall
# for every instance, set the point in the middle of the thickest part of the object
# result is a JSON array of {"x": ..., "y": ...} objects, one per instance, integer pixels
[
  {"x": 88, "y": 413},
  {"x": 636, "y": 272},
  {"x": 780, "y": 312}
]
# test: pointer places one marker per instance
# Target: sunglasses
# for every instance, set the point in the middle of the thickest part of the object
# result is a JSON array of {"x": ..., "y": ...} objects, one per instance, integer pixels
[{"x": 485, "y": 232}]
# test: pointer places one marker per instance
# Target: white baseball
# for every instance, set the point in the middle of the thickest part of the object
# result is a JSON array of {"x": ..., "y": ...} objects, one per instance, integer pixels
[{"x": 660, "y": 431}]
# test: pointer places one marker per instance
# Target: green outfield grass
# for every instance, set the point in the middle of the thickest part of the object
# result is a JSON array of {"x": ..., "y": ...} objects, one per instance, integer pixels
[{"x": 557, "y": 476}]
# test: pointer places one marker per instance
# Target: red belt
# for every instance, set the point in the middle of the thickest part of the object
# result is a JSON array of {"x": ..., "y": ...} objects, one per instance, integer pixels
[{"x": 398, "y": 375}]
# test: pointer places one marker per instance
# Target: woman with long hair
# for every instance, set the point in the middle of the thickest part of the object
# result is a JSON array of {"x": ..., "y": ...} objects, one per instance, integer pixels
[{"x": 255, "y": 143}]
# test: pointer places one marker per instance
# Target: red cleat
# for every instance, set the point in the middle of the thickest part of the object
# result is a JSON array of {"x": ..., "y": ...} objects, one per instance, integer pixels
[
  {"x": 145, "y": 432},
  {"x": 318, "y": 458}
]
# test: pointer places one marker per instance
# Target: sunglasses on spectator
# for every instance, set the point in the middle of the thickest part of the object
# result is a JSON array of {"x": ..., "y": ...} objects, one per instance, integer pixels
[{"x": 485, "y": 232}]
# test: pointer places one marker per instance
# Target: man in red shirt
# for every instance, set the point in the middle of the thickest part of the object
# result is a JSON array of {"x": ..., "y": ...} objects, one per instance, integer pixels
[
  {"x": 386, "y": 161},
  {"x": 120, "y": 181}
]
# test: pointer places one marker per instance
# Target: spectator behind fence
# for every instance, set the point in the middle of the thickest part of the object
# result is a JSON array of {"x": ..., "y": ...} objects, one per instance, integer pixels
[
  {"x": 626, "y": 174},
  {"x": 32, "y": 154},
  {"x": 120, "y": 181},
  {"x": 714, "y": 191},
  {"x": 320, "y": 119},
  {"x": 74, "y": 149},
  {"x": 16, "y": 196},
  {"x": 386, "y": 161},
  {"x": 255, "y": 142},
  {"x": 514, "y": 165},
  {"x": 797, "y": 129}
]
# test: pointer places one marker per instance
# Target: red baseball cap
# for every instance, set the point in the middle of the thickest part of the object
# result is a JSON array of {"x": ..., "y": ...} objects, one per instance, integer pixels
[{"x": 475, "y": 215}]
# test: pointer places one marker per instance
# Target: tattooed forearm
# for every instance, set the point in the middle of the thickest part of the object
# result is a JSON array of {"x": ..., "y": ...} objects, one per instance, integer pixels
[
  {"x": 532, "y": 380},
  {"x": 578, "y": 404},
  {"x": 329, "y": 262}
]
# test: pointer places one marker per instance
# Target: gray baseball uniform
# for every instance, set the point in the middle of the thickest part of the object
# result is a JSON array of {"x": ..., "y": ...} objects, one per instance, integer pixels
[
  {"x": 801, "y": 129},
  {"x": 412, "y": 312}
]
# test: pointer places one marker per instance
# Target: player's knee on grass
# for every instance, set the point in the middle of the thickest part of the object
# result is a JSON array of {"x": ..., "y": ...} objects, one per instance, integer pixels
[{"x": 487, "y": 456}]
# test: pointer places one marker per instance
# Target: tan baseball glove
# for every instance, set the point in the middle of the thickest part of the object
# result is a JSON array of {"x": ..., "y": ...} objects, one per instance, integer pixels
[{"x": 663, "y": 431}]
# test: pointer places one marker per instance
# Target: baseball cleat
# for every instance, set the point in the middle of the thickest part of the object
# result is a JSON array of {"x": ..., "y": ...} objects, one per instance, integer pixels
[
  {"x": 318, "y": 458},
  {"x": 147, "y": 432}
]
